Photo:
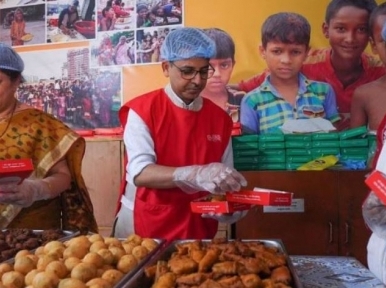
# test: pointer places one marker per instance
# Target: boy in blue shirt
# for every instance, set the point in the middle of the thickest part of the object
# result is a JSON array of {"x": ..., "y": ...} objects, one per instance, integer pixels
[{"x": 286, "y": 93}]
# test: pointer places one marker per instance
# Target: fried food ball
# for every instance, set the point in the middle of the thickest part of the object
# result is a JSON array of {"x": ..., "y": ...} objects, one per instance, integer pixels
[
  {"x": 107, "y": 255},
  {"x": 94, "y": 258},
  {"x": 75, "y": 251},
  {"x": 112, "y": 275},
  {"x": 45, "y": 279},
  {"x": 44, "y": 260},
  {"x": 53, "y": 246},
  {"x": 112, "y": 241},
  {"x": 99, "y": 283},
  {"x": 34, "y": 258},
  {"x": 127, "y": 263},
  {"x": 140, "y": 252},
  {"x": 97, "y": 245},
  {"x": 149, "y": 244},
  {"x": 135, "y": 239},
  {"x": 23, "y": 265},
  {"x": 95, "y": 237},
  {"x": 84, "y": 272},
  {"x": 30, "y": 276},
  {"x": 71, "y": 262},
  {"x": 128, "y": 246},
  {"x": 80, "y": 241},
  {"x": 39, "y": 251},
  {"x": 117, "y": 253},
  {"x": 22, "y": 253},
  {"x": 71, "y": 283},
  {"x": 58, "y": 268},
  {"x": 5, "y": 267},
  {"x": 13, "y": 279}
]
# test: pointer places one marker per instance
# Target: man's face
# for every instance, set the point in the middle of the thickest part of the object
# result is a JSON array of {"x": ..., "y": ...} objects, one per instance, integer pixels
[
  {"x": 347, "y": 32},
  {"x": 223, "y": 71},
  {"x": 179, "y": 71}
]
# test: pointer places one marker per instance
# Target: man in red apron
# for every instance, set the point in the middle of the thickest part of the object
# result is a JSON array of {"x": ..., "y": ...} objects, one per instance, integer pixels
[{"x": 178, "y": 148}]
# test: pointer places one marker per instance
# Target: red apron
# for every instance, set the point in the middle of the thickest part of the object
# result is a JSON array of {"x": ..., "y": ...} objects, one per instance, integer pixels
[{"x": 181, "y": 138}]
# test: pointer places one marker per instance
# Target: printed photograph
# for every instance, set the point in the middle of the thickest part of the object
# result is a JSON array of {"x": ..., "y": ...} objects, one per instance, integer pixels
[
  {"x": 81, "y": 97},
  {"x": 116, "y": 15},
  {"x": 149, "y": 42},
  {"x": 159, "y": 13},
  {"x": 23, "y": 25},
  {"x": 70, "y": 20},
  {"x": 114, "y": 48},
  {"x": 19, "y": 3}
]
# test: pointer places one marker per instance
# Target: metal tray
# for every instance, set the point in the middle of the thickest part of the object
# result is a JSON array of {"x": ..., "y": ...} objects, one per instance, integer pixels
[
  {"x": 67, "y": 235},
  {"x": 129, "y": 275},
  {"x": 139, "y": 280}
]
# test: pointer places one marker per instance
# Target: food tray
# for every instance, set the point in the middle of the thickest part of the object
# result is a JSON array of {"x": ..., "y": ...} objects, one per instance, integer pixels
[
  {"x": 67, "y": 235},
  {"x": 128, "y": 276},
  {"x": 139, "y": 279}
]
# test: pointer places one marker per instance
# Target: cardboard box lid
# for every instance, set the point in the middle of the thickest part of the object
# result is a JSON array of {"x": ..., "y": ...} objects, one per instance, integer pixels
[
  {"x": 261, "y": 196},
  {"x": 15, "y": 170}
]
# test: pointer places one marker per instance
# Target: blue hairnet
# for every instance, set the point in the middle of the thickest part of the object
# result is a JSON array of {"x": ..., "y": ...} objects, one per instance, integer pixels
[
  {"x": 185, "y": 43},
  {"x": 9, "y": 59}
]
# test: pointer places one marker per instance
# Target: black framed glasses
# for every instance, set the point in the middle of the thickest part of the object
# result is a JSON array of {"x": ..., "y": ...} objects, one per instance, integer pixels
[{"x": 188, "y": 73}]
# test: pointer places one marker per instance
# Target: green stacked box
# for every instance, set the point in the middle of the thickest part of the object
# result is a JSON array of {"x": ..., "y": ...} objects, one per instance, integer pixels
[
  {"x": 271, "y": 151},
  {"x": 354, "y": 144},
  {"x": 278, "y": 151},
  {"x": 245, "y": 152}
]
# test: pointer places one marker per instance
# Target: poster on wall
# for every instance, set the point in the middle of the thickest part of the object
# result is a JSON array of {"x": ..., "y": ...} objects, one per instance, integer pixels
[
  {"x": 79, "y": 95},
  {"x": 29, "y": 22}
]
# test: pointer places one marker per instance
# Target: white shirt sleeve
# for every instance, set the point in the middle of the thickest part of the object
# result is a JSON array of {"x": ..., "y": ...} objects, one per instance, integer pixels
[{"x": 139, "y": 146}]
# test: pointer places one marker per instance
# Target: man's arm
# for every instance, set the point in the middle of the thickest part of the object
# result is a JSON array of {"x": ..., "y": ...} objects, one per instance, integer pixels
[{"x": 358, "y": 113}]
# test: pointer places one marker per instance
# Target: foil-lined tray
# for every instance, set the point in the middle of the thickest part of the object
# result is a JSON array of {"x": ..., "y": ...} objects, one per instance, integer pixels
[{"x": 140, "y": 279}]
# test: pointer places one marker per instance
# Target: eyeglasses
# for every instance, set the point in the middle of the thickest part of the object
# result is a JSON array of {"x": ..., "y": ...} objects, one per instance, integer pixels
[{"x": 188, "y": 73}]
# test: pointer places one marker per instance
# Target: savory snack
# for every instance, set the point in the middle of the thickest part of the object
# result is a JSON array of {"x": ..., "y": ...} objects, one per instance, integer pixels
[
  {"x": 221, "y": 263},
  {"x": 72, "y": 263},
  {"x": 14, "y": 240}
]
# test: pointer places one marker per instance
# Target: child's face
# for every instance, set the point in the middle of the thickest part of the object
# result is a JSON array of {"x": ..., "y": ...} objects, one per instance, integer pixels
[
  {"x": 284, "y": 60},
  {"x": 378, "y": 45},
  {"x": 347, "y": 32},
  {"x": 223, "y": 71}
]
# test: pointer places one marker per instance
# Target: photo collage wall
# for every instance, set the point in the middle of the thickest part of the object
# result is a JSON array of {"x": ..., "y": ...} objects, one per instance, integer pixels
[{"x": 82, "y": 86}]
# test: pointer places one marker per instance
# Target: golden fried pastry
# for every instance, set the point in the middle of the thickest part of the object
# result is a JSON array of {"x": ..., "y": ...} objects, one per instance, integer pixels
[
  {"x": 267, "y": 283},
  {"x": 209, "y": 259},
  {"x": 251, "y": 281},
  {"x": 182, "y": 265},
  {"x": 167, "y": 280},
  {"x": 197, "y": 255},
  {"x": 253, "y": 265},
  {"x": 225, "y": 268},
  {"x": 193, "y": 279},
  {"x": 233, "y": 281},
  {"x": 210, "y": 284},
  {"x": 281, "y": 275}
]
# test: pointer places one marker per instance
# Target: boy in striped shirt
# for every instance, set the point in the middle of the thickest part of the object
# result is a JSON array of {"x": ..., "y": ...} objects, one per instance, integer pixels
[{"x": 286, "y": 93}]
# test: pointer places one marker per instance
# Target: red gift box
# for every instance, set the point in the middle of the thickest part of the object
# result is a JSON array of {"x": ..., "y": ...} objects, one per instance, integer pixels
[
  {"x": 206, "y": 205},
  {"x": 261, "y": 196},
  {"x": 15, "y": 170},
  {"x": 377, "y": 183}
]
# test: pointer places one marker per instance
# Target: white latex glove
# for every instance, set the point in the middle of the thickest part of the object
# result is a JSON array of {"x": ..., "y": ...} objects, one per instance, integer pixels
[
  {"x": 26, "y": 193},
  {"x": 226, "y": 218},
  {"x": 374, "y": 214},
  {"x": 215, "y": 178}
]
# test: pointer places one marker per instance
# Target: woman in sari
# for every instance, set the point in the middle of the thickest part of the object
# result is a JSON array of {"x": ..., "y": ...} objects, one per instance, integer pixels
[{"x": 54, "y": 196}]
